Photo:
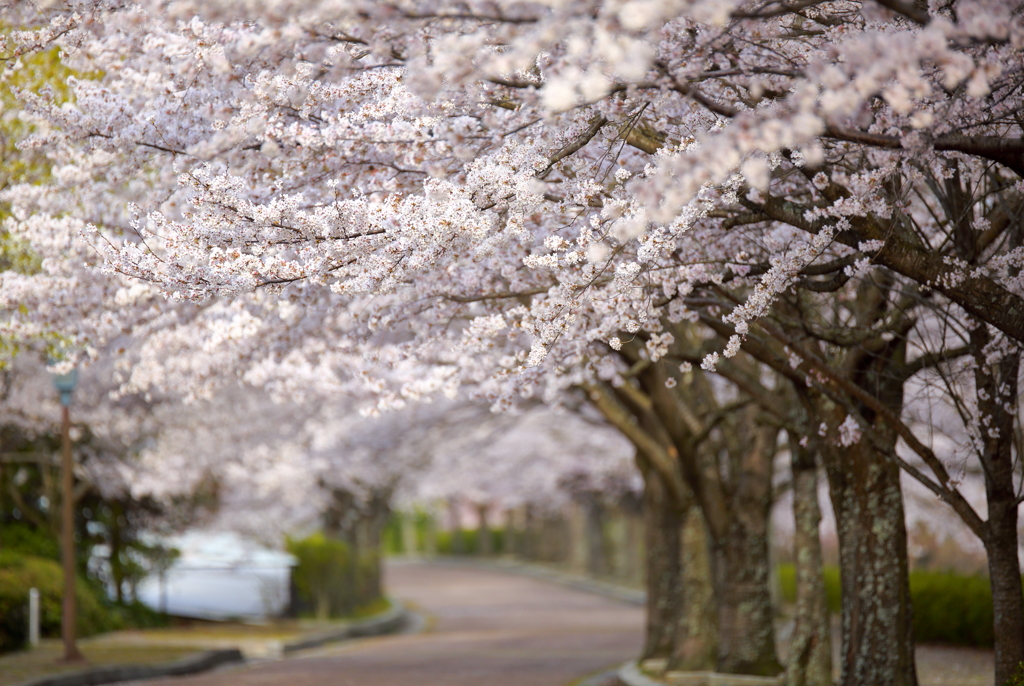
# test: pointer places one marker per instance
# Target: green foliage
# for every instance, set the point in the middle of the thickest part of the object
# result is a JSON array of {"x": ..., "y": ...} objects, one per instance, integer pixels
[
  {"x": 948, "y": 607},
  {"x": 330, "y": 581},
  {"x": 18, "y": 574},
  {"x": 40, "y": 73},
  {"x": 447, "y": 543},
  {"x": 135, "y": 615},
  {"x": 20, "y": 538},
  {"x": 951, "y": 608},
  {"x": 833, "y": 588},
  {"x": 391, "y": 537},
  {"x": 1018, "y": 677},
  {"x": 323, "y": 564},
  {"x": 374, "y": 607}
]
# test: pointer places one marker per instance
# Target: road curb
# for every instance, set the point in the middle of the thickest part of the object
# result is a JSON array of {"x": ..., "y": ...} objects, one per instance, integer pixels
[
  {"x": 192, "y": 664},
  {"x": 389, "y": 621}
]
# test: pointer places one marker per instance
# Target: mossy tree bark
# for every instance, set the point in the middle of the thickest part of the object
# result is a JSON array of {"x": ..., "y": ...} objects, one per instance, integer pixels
[
  {"x": 696, "y": 642},
  {"x": 877, "y": 645},
  {"x": 810, "y": 652},
  {"x": 739, "y": 543},
  {"x": 663, "y": 520},
  {"x": 726, "y": 459}
]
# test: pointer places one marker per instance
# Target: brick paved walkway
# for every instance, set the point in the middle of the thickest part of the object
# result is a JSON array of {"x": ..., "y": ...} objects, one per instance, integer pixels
[{"x": 484, "y": 628}]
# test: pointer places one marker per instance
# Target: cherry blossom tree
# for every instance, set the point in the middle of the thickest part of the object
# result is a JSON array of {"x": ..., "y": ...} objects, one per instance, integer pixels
[{"x": 526, "y": 199}]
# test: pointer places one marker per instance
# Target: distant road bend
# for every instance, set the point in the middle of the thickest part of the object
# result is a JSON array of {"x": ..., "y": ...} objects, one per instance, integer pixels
[{"x": 484, "y": 628}]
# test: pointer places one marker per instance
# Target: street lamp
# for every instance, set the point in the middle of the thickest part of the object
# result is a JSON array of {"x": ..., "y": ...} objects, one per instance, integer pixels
[{"x": 65, "y": 384}]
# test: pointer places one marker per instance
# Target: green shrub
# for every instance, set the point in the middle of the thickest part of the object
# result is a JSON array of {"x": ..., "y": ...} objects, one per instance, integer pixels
[
  {"x": 446, "y": 541},
  {"x": 23, "y": 539},
  {"x": 948, "y": 607},
  {"x": 833, "y": 587},
  {"x": 135, "y": 615},
  {"x": 18, "y": 574},
  {"x": 323, "y": 574},
  {"x": 951, "y": 608}
]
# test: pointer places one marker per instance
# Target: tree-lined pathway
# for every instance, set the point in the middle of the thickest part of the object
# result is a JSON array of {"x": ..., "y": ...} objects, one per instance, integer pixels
[{"x": 484, "y": 628}]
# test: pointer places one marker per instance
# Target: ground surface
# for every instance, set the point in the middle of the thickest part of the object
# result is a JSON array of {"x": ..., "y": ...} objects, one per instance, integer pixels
[
  {"x": 151, "y": 646},
  {"x": 484, "y": 628},
  {"x": 16, "y": 668}
]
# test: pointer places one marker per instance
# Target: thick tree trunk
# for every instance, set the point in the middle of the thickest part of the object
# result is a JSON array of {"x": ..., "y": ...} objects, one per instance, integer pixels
[
  {"x": 740, "y": 560},
  {"x": 810, "y": 652},
  {"x": 696, "y": 641},
  {"x": 1004, "y": 573},
  {"x": 877, "y": 644},
  {"x": 746, "y": 636},
  {"x": 663, "y": 527}
]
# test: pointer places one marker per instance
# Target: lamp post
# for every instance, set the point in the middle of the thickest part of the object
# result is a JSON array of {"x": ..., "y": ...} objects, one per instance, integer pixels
[{"x": 65, "y": 384}]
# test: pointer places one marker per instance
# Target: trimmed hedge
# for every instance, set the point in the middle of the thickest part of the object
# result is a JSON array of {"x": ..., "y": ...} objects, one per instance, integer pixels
[
  {"x": 18, "y": 574},
  {"x": 329, "y": 580},
  {"x": 948, "y": 607},
  {"x": 446, "y": 542},
  {"x": 951, "y": 608},
  {"x": 324, "y": 574}
]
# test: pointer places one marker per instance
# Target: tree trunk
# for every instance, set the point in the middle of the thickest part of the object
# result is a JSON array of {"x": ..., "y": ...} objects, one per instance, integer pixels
[
  {"x": 810, "y": 652},
  {"x": 117, "y": 573},
  {"x": 577, "y": 546},
  {"x": 997, "y": 397},
  {"x": 484, "y": 539},
  {"x": 696, "y": 640},
  {"x": 597, "y": 548},
  {"x": 619, "y": 543},
  {"x": 740, "y": 561},
  {"x": 746, "y": 635},
  {"x": 1007, "y": 601},
  {"x": 878, "y": 640},
  {"x": 634, "y": 548},
  {"x": 375, "y": 520},
  {"x": 663, "y": 526},
  {"x": 531, "y": 544},
  {"x": 430, "y": 535},
  {"x": 455, "y": 521}
]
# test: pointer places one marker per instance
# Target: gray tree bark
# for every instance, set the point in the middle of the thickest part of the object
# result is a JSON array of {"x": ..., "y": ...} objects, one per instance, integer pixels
[{"x": 810, "y": 652}]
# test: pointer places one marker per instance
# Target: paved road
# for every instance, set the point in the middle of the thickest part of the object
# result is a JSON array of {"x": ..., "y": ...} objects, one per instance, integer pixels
[{"x": 484, "y": 628}]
